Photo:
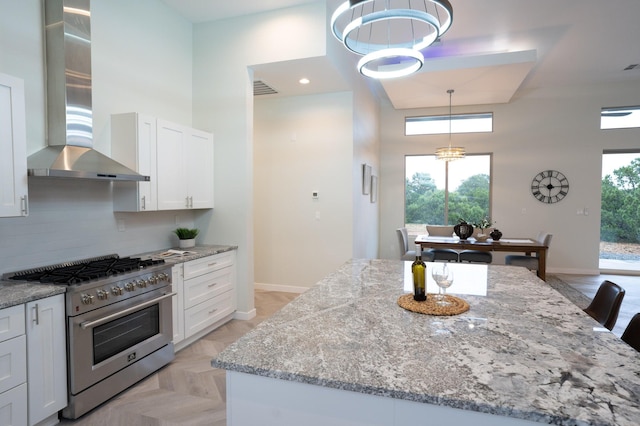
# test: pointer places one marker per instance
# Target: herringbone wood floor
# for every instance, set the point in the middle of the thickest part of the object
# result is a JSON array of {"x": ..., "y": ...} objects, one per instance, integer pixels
[{"x": 190, "y": 392}]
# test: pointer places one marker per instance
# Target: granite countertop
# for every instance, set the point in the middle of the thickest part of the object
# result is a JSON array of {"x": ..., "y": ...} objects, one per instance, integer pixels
[
  {"x": 17, "y": 293},
  {"x": 522, "y": 350},
  {"x": 190, "y": 253}
]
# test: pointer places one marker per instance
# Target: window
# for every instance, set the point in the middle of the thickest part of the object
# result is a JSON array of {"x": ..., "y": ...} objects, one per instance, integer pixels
[
  {"x": 440, "y": 193},
  {"x": 439, "y": 124},
  {"x": 620, "y": 118}
]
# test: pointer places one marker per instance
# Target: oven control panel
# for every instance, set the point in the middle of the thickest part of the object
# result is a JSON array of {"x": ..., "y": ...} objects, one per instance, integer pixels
[{"x": 115, "y": 289}]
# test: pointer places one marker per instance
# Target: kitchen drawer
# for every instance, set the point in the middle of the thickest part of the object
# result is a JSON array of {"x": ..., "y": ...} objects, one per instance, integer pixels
[
  {"x": 13, "y": 406},
  {"x": 208, "y": 313},
  {"x": 13, "y": 363},
  {"x": 207, "y": 264},
  {"x": 199, "y": 289},
  {"x": 12, "y": 322}
]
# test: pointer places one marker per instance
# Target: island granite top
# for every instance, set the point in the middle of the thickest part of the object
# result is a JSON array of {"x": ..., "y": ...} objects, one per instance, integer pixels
[{"x": 522, "y": 350}]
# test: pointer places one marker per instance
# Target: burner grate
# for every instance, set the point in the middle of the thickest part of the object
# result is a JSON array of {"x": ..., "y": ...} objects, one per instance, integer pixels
[{"x": 84, "y": 271}]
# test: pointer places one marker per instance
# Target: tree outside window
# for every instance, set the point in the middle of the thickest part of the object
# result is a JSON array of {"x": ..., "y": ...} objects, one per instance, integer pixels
[{"x": 439, "y": 193}]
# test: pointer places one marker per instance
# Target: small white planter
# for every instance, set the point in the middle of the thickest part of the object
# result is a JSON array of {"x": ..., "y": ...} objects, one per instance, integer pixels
[{"x": 187, "y": 243}]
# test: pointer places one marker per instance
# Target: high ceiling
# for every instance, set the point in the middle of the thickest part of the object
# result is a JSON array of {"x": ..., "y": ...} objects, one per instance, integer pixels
[{"x": 494, "y": 49}]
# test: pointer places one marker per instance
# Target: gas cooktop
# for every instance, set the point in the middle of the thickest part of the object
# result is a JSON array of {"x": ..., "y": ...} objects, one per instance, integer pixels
[{"x": 85, "y": 270}]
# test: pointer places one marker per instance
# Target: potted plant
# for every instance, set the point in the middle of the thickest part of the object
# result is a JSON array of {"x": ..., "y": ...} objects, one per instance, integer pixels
[
  {"x": 483, "y": 224},
  {"x": 186, "y": 236}
]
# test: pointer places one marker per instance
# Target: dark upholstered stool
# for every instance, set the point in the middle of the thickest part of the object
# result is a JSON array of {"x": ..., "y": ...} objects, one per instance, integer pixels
[
  {"x": 631, "y": 334},
  {"x": 448, "y": 255},
  {"x": 475, "y": 256},
  {"x": 605, "y": 305}
]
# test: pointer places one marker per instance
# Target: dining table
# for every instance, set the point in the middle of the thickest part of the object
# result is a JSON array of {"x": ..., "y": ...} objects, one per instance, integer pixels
[{"x": 528, "y": 246}]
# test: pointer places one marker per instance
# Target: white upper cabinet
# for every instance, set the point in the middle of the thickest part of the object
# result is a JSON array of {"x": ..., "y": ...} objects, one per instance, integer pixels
[
  {"x": 13, "y": 146},
  {"x": 199, "y": 169},
  {"x": 133, "y": 143},
  {"x": 185, "y": 167},
  {"x": 178, "y": 159}
]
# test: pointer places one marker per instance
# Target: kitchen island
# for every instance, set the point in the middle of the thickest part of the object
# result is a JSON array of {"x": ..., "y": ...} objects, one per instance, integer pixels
[{"x": 344, "y": 353}]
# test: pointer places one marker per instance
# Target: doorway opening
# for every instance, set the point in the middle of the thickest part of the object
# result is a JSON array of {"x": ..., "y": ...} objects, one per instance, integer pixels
[{"x": 620, "y": 219}]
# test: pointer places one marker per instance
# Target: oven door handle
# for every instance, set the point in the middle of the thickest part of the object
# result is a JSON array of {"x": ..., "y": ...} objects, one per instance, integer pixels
[{"x": 89, "y": 324}]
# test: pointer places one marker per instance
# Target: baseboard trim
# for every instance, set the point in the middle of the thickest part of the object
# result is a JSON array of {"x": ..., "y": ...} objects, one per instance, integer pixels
[
  {"x": 280, "y": 287},
  {"x": 573, "y": 271},
  {"x": 244, "y": 316}
]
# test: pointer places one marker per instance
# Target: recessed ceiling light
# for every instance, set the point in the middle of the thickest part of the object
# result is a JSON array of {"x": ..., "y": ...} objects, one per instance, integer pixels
[{"x": 304, "y": 81}]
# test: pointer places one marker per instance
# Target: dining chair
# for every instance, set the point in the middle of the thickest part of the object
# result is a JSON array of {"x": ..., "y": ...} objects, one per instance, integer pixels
[
  {"x": 631, "y": 334},
  {"x": 529, "y": 262},
  {"x": 447, "y": 255},
  {"x": 475, "y": 256},
  {"x": 405, "y": 253},
  {"x": 403, "y": 241},
  {"x": 605, "y": 305}
]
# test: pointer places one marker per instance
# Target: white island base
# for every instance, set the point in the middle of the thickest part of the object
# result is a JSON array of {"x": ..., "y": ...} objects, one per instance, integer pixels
[{"x": 258, "y": 400}]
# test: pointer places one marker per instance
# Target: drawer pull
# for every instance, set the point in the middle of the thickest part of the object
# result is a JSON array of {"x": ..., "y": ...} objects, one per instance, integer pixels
[
  {"x": 211, "y": 312},
  {"x": 213, "y": 285},
  {"x": 212, "y": 264}
]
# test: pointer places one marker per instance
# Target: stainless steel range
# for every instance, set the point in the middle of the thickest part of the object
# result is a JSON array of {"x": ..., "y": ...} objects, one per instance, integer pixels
[{"x": 119, "y": 324}]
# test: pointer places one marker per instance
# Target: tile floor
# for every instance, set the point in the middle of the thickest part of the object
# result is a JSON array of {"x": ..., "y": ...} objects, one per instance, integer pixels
[{"x": 188, "y": 392}]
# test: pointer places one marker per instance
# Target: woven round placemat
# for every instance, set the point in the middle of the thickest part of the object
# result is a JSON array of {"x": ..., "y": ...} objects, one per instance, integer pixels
[{"x": 429, "y": 307}]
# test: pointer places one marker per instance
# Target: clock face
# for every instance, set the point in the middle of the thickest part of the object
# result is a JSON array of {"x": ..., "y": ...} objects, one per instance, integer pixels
[{"x": 549, "y": 186}]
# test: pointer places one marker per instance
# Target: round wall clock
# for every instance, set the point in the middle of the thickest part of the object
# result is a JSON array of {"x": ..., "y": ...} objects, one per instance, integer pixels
[{"x": 549, "y": 186}]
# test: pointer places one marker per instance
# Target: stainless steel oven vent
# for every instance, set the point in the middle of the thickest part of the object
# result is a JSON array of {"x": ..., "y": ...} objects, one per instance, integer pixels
[{"x": 70, "y": 150}]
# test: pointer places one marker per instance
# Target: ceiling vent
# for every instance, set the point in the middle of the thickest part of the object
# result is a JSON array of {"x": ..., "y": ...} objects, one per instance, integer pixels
[
  {"x": 261, "y": 88},
  {"x": 632, "y": 67}
]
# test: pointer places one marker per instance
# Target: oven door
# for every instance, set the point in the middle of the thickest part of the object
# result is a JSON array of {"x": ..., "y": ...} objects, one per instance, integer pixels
[{"x": 106, "y": 340}]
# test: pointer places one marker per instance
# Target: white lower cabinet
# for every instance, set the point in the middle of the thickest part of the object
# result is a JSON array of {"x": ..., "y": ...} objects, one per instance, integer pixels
[
  {"x": 13, "y": 367},
  {"x": 206, "y": 296},
  {"x": 46, "y": 359}
]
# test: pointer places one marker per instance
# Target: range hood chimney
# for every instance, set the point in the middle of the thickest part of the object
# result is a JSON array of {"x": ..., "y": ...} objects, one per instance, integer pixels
[{"x": 70, "y": 152}]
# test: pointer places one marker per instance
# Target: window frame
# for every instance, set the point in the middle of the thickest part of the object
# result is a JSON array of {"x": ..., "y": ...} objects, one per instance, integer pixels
[{"x": 442, "y": 127}]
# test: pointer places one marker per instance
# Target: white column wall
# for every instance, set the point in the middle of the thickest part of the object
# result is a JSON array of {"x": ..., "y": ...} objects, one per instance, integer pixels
[{"x": 223, "y": 104}]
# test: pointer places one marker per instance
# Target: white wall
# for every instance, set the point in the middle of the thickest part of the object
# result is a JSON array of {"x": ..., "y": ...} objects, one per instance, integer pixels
[
  {"x": 302, "y": 144},
  {"x": 539, "y": 130},
  {"x": 223, "y": 103},
  {"x": 141, "y": 64}
]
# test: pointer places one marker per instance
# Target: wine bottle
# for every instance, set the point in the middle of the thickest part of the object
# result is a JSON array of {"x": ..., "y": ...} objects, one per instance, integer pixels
[{"x": 418, "y": 269}]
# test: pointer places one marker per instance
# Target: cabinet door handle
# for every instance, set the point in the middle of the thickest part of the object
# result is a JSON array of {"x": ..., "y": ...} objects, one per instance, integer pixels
[
  {"x": 36, "y": 314},
  {"x": 191, "y": 202},
  {"x": 144, "y": 202},
  {"x": 186, "y": 201},
  {"x": 24, "y": 206}
]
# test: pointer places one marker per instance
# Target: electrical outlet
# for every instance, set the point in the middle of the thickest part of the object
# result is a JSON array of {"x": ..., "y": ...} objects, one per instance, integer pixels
[{"x": 121, "y": 225}]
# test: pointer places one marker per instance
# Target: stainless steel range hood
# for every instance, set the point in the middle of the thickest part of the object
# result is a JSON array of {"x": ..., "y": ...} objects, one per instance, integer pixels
[{"x": 70, "y": 152}]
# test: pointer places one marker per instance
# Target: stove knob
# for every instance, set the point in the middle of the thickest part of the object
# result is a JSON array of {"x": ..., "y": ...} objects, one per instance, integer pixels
[
  {"x": 117, "y": 291},
  {"x": 86, "y": 299},
  {"x": 163, "y": 277},
  {"x": 130, "y": 286},
  {"x": 142, "y": 283},
  {"x": 154, "y": 279},
  {"x": 102, "y": 295}
]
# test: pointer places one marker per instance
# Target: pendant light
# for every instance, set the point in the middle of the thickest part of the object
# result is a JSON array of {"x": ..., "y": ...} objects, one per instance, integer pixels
[{"x": 450, "y": 153}]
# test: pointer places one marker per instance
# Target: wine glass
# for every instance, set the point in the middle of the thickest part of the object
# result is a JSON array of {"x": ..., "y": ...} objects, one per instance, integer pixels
[
  {"x": 443, "y": 276},
  {"x": 436, "y": 274}
]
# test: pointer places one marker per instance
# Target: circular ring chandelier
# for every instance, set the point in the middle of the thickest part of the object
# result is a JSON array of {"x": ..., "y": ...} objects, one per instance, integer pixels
[
  {"x": 408, "y": 62},
  {"x": 382, "y": 26}
]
